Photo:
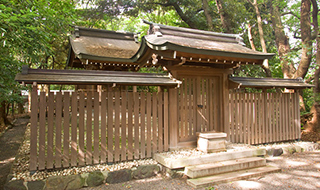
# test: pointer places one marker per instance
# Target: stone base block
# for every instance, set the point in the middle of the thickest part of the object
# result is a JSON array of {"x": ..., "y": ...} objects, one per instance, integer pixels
[{"x": 211, "y": 141}]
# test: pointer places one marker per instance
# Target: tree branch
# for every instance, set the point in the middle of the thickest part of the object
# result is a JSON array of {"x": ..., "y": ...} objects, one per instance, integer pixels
[{"x": 290, "y": 13}]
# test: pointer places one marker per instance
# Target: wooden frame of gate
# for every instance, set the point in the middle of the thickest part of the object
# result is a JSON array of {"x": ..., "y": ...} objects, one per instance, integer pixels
[{"x": 200, "y": 104}]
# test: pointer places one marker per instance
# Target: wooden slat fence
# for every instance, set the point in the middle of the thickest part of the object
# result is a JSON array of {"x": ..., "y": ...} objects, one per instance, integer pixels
[
  {"x": 77, "y": 129},
  {"x": 257, "y": 118}
]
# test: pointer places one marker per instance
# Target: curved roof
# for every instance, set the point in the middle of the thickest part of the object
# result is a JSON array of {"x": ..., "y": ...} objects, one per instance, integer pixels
[
  {"x": 172, "y": 43},
  {"x": 162, "y": 37},
  {"x": 103, "y": 45}
]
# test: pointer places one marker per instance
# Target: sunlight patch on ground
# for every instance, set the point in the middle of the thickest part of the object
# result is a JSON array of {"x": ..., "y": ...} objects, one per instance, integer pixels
[
  {"x": 292, "y": 163},
  {"x": 7, "y": 160},
  {"x": 248, "y": 184}
]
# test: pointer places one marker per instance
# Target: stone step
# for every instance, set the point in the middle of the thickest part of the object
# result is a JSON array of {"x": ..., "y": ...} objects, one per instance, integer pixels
[
  {"x": 231, "y": 176},
  {"x": 175, "y": 163},
  {"x": 223, "y": 167}
]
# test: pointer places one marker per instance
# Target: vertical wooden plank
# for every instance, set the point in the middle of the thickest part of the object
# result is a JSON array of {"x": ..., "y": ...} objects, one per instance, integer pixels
[
  {"x": 249, "y": 118},
  {"x": 123, "y": 126},
  {"x": 117, "y": 127},
  {"x": 271, "y": 110},
  {"x": 34, "y": 129},
  {"x": 136, "y": 125},
  {"x": 297, "y": 118},
  {"x": 81, "y": 153},
  {"x": 130, "y": 126},
  {"x": 195, "y": 106},
  {"x": 256, "y": 126},
  {"x": 66, "y": 127},
  {"x": 291, "y": 122},
  {"x": 191, "y": 104},
  {"x": 274, "y": 120},
  {"x": 264, "y": 116},
  {"x": 103, "y": 127},
  {"x": 154, "y": 123},
  {"x": 166, "y": 119},
  {"x": 261, "y": 108},
  {"x": 96, "y": 138},
  {"x": 281, "y": 115},
  {"x": 232, "y": 115},
  {"x": 89, "y": 130},
  {"x": 245, "y": 119},
  {"x": 173, "y": 117},
  {"x": 182, "y": 127},
  {"x": 74, "y": 113},
  {"x": 58, "y": 151},
  {"x": 110, "y": 127},
  {"x": 278, "y": 116},
  {"x": 143, "y": 125},
  {"x": 149, "y": 108},
  {"x": 50, "y": 130},
  {"x": 241, "y": 111},
  {"x": 292, "y": 116},
  {"x": 42, "y": 130},
  {"x": 160, "y": 121},
  {"x": 236, "y": 120},
  {"x": 252, "y": 106},
  {"x": 287, "y": 114}
]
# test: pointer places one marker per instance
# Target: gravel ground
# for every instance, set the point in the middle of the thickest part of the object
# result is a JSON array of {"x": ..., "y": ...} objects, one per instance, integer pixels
[
  {"x": 299, "y": 171},
  {"x": 10, "y": 142}
]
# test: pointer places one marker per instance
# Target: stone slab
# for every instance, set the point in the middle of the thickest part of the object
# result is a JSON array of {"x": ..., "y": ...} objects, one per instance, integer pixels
[
  {"x": 232, "y": 176},
  {"x": 223, "y": 167},
  {"x": 208, "y": 158},
  {"x": 212, "y": 135}
]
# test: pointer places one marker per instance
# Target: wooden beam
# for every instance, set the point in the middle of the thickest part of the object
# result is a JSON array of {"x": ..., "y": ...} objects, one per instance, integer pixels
[{"x": 173, "y": 118}]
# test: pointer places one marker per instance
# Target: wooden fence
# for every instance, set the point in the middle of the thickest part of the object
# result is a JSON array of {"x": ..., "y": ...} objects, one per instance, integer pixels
[
  {"x": 257, "y": 118},
  {"x": 77, "y": 129}
]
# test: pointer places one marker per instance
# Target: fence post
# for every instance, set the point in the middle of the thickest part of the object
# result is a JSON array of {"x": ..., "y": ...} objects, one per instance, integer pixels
[
  {"x": 225, "y": 96},
  {"x": 34, "y": 128},
  {"x": 173, "y": 118}
]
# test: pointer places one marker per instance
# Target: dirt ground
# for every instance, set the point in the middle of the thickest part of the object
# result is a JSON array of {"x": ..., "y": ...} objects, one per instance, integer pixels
[
  {"x": 299, "y": 171},
  {"x": 10, "y": 142}
]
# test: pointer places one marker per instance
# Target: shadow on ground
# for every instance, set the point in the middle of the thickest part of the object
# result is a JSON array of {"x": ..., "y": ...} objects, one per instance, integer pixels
[{"x": 10, "y": 142}]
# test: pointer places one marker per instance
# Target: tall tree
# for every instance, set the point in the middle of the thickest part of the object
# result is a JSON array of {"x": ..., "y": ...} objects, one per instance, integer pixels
[
  {"x": 306, "y": 39},
  {"x": 314, "y": 124},
  {"x": 282, "y": 40},
  {"x": 30, "y": 31},
  {"x": 224, "y": 16},
  {"x": 265, "y": 64}
]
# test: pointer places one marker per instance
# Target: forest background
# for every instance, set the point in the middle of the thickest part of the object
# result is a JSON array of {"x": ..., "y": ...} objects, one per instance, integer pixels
[{"x": 35, "y": 33}]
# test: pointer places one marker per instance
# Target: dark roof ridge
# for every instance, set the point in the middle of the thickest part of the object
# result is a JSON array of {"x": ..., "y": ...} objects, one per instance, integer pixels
[
  {"x": 101, "y": 33},
  {"x": 195, "y": 33}
]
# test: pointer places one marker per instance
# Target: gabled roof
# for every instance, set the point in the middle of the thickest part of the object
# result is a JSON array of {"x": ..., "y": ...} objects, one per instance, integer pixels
[
  {"x": 168, "y": 43},
  {"x": 205, "y": 43},
  {"x": 269, "y": 83},
  {"x": 102, "y": 45},
  {"x": 90, "y": 77}
]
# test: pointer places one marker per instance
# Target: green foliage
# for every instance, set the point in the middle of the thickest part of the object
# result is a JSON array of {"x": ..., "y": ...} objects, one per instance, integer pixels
[{"x": 32, "y": 33}]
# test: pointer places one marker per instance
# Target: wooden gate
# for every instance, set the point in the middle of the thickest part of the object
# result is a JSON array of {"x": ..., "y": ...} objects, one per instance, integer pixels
[{"x": 199, "y": 106}]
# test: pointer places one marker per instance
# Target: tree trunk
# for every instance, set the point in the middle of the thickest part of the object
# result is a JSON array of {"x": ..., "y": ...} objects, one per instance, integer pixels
[
  {"x": 3, "y": 116},
  {"x": 306, "y": 52},
  {"x": 314, "y": 124},
  {"x": 205, "y": 7},
  {"x": 184, "y": 17},
  {"x": 265, "y": 64},
  {"x": 282, "y": 42},
  {"x": 224, "y": 17},
  {"x": 253, "y": 47}
]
